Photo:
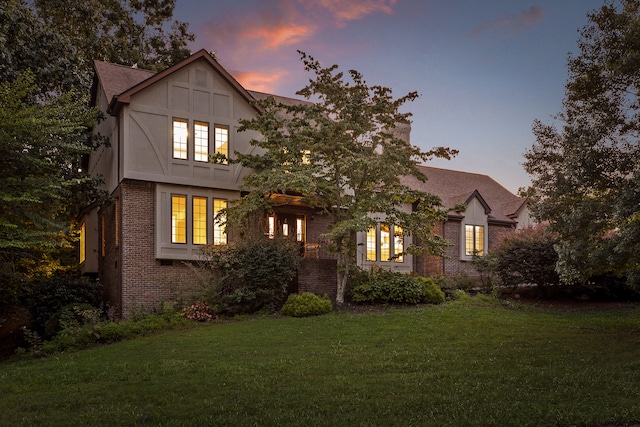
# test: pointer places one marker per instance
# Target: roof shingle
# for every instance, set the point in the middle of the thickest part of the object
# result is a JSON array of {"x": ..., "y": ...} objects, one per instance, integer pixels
[{"x": 455, "y": 187}]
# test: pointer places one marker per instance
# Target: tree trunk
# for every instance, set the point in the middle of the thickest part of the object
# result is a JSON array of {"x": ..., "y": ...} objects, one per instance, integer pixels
[{"x": 342, "y": 276}]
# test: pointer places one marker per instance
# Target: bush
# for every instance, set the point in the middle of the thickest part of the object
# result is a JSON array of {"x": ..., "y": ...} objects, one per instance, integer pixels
[
  {"x": 51, "y": 296},
  {"x": 251, "y": 276},
  {"x": 72, "y": 316},
  {"x": 528, "y": 257},
  {"x": 306, "y": 304},
  {"x": 389, "y": 287},
  {"x": 451, "y": 284},
  {"x": 431, "y": 293}
]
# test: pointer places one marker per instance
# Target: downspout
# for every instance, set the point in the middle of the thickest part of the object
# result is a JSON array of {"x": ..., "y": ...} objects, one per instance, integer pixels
[{"x": 444, "y": 258}]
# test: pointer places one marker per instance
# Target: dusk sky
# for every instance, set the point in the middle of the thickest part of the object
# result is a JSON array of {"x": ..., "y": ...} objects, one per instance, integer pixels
[{"x": 484, "y": 69}]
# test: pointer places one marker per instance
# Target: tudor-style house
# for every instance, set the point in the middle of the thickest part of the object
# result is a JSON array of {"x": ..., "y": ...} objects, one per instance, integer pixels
[{"x": 165, "y": 193}]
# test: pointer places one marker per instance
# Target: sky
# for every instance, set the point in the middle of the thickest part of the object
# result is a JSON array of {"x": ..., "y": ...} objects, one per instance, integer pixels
[{"x": 484, "y": 69}]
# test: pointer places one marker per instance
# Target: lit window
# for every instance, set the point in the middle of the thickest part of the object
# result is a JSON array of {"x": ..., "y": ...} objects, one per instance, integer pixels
[
  {"x": 474, "y": 240},
  {"x": 83, "y": 243},
  {"x": 398, "y": 244},
  {"x": 201, "y": 141},
  {"x": 300, "y": 229},
  {"x": 179, "y": 219},
  {"x": 199, "y": 220},
  {"x": 180, "y": 133},
  {"x": 271, "y": 224},
  {"x": 385, "y": 242},
  {"x": 219, "y": 234},
  {"x": 222, "y": 140},
  {"x": 371, "y": 244},
  {"x": 285, "y": 228},
  {"x": 306, "y": 157}
]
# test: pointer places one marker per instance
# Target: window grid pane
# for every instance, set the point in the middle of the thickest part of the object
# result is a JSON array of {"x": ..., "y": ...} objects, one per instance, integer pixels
[
  {"x": 479, "y": 242},
  {"x": 371, "y": 244},
  {"x": 180, "y": 134},
  {"x": 219, "y": 234},
  {"x": 199, "y": 220},
  {"x": 222, "y": 140},
  {"x": 201, "y": 141},
  {"x": 398, "y": 244},
  {"x": 300, "y": 229},
  {"x": 179, "y": 219},
  {"x": 385, "y": 242}
]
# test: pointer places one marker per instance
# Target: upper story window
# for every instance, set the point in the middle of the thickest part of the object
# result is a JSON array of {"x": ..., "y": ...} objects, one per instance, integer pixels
[
  {"x": 474, "y": 240},
  {"x": 201, "y": 141},
  {"x": 180, "y": 134},
  {"x": 222, "y": 140}
]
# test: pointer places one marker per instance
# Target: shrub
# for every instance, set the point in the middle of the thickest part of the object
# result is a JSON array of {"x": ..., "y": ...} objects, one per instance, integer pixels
[
  {"x": 528, "y": 257},
  {"x": 451, "y": 284},
  {"x": 199, "y": 311},
  {"x": 384, "y": 286},
  {"x": 251, "y": 276},
  {"x": 72, "y": 316},
  {"x": 431, "y": 293},
  {"x": 306, "y": 304},
  {"x": 52, "y": 295}
]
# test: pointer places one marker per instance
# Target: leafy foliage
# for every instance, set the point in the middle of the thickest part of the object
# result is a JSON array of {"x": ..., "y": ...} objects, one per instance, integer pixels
[
  {"x": 389, "y": 287},
  {"x": 59, "y": 40},
  {"x": 306, "y": 304},
  {"x": 343, "y": 155},
  {"x": 41, "y": 146},
  {"x": 587, "y": 174},
  {"x": 252, "y": 275},
  {"x": 51, "y": 296},
  {"x": 528, "y": 257}
]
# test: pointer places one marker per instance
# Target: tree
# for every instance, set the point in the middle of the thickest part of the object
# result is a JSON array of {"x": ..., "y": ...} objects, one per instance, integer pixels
[
  {"x": 27, "y": 43},
  {"x": 340, "y": 155},
  {"x": 41, "y": 145},
  {"x": 59, "y": 40},
  {"x": 587, "y": 174}
]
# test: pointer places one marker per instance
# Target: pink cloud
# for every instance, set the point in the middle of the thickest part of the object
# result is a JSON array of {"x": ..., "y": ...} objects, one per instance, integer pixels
[
  {"x": 281, "y": 34},
  {"x": 260, "y": 82},
  {"x": 512, "y": 23},
  {"x": 351, "y": 10}
]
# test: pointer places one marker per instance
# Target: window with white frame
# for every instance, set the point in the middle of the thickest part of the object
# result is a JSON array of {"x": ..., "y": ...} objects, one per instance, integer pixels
[
  {"x": 201, "y": 141},
  {"x": 178, "y": 219},
  {"x": 180, "y": 137},
  {"x": 199, "y": 220},
  {"x": 385, "y": 243},
  {"x": 219, "y": 234},
  {"x": 474, "y": 240},
  {"x": 221, "y": 145}
]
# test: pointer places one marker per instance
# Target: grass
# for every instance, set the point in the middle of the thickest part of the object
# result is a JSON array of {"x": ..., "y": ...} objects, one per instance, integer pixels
[{"x": 469, "y": 363}]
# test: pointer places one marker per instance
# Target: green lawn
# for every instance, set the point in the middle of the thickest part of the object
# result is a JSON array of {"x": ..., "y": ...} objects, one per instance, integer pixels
[{"x": 471, "y": 363}]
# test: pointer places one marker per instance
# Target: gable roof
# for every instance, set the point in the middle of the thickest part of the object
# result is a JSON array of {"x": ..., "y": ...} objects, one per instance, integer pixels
[
  {"x": 116, "y": 78},
  {"x": 121, "y": 82},
  {"x": 455, "y": 187}
]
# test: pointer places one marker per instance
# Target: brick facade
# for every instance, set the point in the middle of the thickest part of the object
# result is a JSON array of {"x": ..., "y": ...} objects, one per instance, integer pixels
[
  {"x": 318, "y": 276},
  {"x": 133, "y": 278},
  {"x": 451, "y": 265}
]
